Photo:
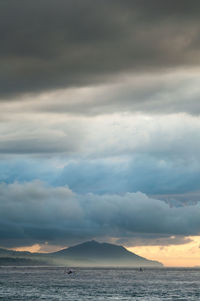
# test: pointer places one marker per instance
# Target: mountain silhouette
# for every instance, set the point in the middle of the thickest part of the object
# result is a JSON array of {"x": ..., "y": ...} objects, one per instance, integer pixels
[{"x": 103, "y": 254}]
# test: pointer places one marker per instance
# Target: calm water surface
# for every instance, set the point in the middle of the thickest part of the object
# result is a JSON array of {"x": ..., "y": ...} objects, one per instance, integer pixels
[{"x": 33, "y": 283}]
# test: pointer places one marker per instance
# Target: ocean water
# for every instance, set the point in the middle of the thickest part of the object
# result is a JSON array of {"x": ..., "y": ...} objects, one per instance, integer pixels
[{"x": 33, "y": 283}]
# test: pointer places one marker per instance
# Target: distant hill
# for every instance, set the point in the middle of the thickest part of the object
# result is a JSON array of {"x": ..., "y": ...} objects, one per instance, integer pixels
[
  {"x": 20, "y": 261},
  {"x": 93, "y": 253},
  {"x": 21, "y": 258}
]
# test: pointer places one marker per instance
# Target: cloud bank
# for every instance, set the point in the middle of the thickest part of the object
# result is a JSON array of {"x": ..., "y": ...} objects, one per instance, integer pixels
[{"x": 34, "y": 213}]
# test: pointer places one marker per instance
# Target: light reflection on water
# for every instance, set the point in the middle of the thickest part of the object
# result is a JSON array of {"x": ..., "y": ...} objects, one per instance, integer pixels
[{"x": 33, "y": 283}]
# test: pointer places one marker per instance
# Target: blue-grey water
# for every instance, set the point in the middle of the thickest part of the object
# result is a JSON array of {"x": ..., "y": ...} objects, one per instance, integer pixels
[{"x": 33, "y": 283}]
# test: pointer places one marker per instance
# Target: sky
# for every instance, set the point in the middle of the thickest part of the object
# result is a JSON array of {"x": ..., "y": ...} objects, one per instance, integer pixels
[{"x": 100, "y": 126}]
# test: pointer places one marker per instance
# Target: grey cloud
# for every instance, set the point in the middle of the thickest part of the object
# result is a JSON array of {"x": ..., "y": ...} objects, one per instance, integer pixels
[
  {"x": 36, "y": 145},
  {"x": 180, "y": 199},
  {"x": 26, "y": 136},
  {"x": 33, "y": 212},
  {"x": 153, "y": 240},
  {"x": 50, "y": 44},
  {"x": 157, "y": 93}
]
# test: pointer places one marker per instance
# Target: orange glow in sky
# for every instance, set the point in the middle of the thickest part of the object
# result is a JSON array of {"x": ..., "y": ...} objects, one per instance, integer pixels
[
  {"x": 184, "y": 255},
  {"x": 40, "y": 248}
]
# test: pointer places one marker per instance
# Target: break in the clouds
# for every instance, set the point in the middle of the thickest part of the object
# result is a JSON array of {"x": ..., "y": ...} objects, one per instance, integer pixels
[{"x": 35, "y": 213}]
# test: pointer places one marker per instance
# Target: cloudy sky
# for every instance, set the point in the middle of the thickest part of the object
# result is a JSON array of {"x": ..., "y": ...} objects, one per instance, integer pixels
[{"x": 100, "y": 126}]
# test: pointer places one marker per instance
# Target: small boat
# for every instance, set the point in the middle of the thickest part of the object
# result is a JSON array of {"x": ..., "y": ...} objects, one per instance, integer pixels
[{"x": 68, "y": 271}]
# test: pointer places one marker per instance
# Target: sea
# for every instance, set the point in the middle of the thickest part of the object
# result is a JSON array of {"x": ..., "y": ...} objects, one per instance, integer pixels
[{"x": 53, "y": 283}]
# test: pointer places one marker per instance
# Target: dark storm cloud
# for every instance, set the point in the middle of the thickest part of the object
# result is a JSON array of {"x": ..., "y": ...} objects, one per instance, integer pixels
[
  {"x": 32, "y": 212},
  {"x": 50, "y": 44}
]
